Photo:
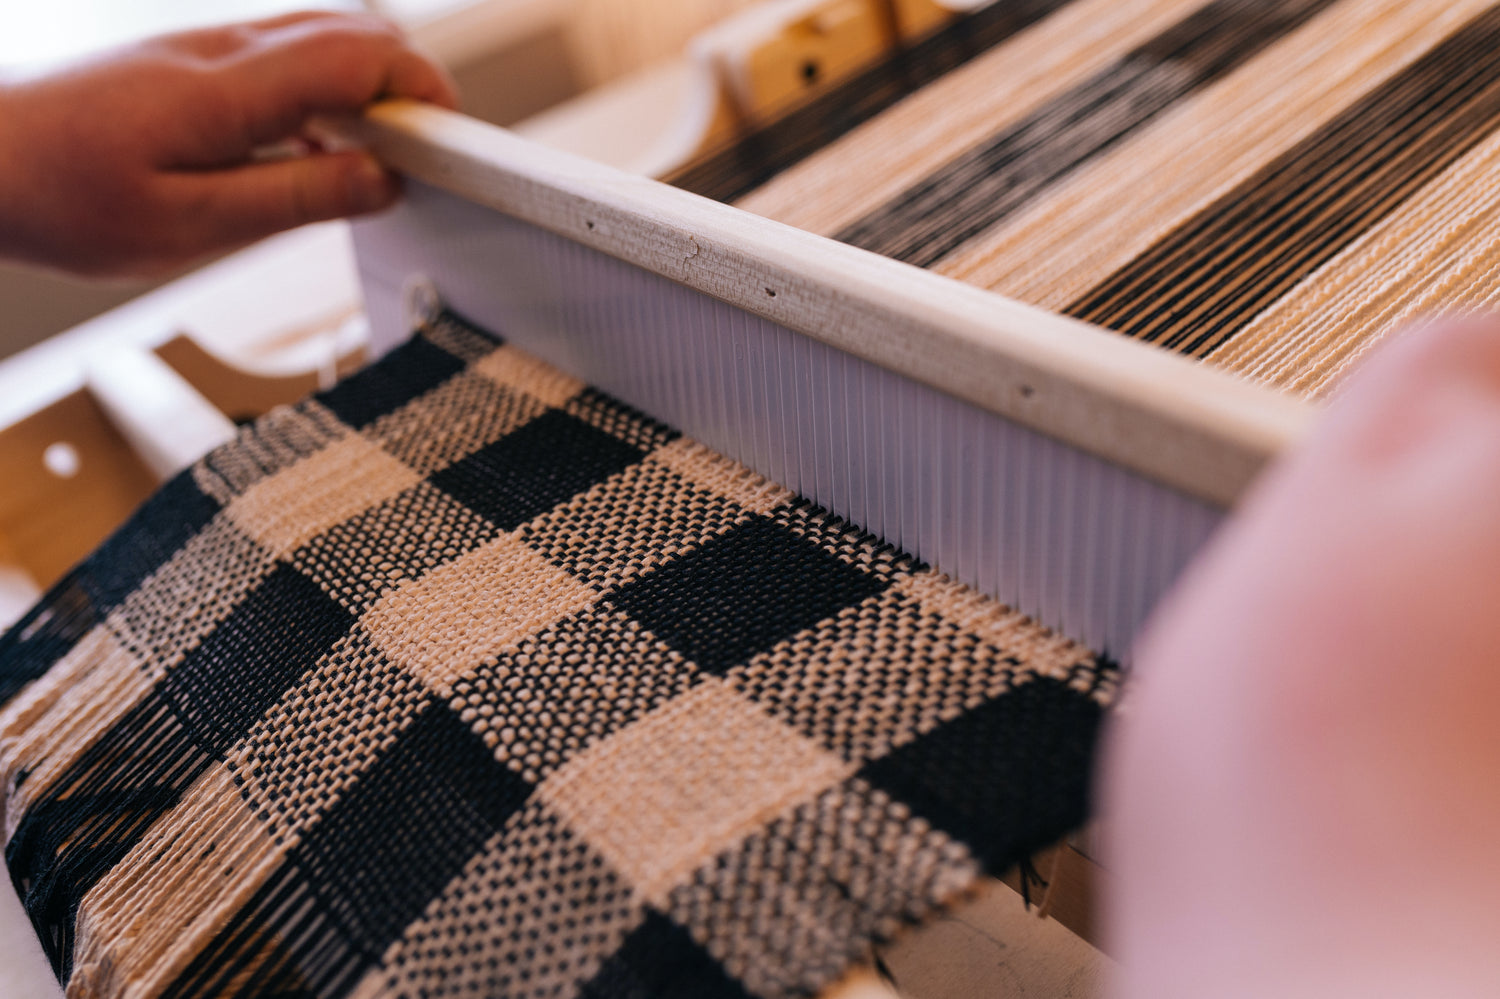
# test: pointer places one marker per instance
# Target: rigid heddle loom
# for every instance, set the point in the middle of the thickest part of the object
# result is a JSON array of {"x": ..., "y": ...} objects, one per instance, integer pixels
[{"x": 696, "y": 600}]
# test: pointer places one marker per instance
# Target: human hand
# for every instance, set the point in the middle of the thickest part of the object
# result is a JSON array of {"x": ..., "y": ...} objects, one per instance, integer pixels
[
  {"x": 1302, "y": 791},
  {"x": 147, "y": 157}
]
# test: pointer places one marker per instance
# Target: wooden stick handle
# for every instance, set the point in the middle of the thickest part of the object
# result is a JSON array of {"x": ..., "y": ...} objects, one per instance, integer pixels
[{"x": 165, "y": 420}]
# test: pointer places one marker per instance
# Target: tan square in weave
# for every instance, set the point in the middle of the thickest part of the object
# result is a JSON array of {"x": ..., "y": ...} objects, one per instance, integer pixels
[
  {"x": 442, "y": 626},
  {"x": 401, "y": 539},
  {"x": 188, "y": 597},
  {"x": 845, "y": 541},
  {"x": 1045, "y": 652},
  {"x": 319, "y": 492},
  {"x": 779, "y": 918},
  {"x": 518, "y": 370},
  {"x": 635, "y": 521},
  {"x": 876, "y": 675},
  {"x": 626, "y": 425},
  {"x": 687, "y": 781},
  {"x": 453, "y": 421},
  {"x": 457, "y": 338},
  {"x": 716, "y": 474},
  {"x": 568, "y": 688}
]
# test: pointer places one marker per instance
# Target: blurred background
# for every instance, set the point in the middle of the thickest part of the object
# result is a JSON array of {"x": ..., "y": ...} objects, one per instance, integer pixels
[{"x": 512, "y": 58}]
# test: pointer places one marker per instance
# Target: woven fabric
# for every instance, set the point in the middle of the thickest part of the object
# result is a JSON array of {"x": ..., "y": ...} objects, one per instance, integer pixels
[
  {"x": 1271, "y": 185},
  {"x": 462, "y": 678}
]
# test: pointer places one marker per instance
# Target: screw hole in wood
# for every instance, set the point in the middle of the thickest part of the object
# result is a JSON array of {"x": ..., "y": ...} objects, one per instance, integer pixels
[{"x": 62, "y": 460}]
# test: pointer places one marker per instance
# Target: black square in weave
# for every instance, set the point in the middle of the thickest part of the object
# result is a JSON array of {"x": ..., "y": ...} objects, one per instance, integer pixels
[
  {"x": 245, "y": 665},
  {"x": 392, "y": 843},
  {"x": 743, "y": 592},
  {"x": 1003, "y": 778},
  {"x": 534, "y": 468},
  {"x": 390, "y": 383},
  {"x": 659, "y": 960},
  {"x": 46, "y": 634},
  {"x": 152, "y": 535}
]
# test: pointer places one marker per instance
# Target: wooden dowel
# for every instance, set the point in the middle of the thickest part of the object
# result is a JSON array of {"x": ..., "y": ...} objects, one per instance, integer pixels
[{"x": 166, "y": 421}]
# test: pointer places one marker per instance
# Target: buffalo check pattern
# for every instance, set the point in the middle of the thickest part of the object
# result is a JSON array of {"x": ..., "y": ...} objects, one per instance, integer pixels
[{"x": 462, "y": 678}]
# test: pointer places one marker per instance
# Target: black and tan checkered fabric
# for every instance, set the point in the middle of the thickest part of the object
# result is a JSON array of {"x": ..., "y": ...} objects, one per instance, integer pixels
[{"x": 464, "y": 679}]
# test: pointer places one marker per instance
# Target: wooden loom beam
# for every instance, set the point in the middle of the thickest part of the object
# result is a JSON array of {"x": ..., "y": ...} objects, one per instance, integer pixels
[{"x": 1201, "y": 431}]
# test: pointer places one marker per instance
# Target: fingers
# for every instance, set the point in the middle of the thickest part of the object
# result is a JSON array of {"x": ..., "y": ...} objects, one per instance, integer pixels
[
  {"x": 256, "y": 84},
  {"x": 1465, "y": 348},
  {"x": 1325, "y": 668},
  {"x": 230, "y": 207},
  {"x": 220, "y": 41},
  {"x": 146, "y": 157},
  {"x": 331, "y": 65}
]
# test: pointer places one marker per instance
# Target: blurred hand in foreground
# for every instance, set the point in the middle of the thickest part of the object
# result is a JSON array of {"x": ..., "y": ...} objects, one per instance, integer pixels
[{"x": 1304, "y": 786}]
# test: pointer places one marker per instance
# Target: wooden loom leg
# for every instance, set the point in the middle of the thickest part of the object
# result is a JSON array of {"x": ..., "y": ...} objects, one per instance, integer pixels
[{"x": 71, "y": 477}]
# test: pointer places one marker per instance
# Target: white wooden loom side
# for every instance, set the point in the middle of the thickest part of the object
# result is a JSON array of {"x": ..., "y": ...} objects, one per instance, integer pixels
[{"x": 1198, "y": 430}]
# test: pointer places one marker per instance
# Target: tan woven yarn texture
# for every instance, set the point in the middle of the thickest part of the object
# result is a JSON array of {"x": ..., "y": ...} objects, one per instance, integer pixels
[
  {"x": 461, "y": 678},
  {"x": 1271, "y": 185}
]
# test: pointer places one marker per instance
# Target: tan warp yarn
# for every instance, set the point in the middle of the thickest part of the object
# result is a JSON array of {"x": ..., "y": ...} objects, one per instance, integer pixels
[{"x": 1099, "y": 212}]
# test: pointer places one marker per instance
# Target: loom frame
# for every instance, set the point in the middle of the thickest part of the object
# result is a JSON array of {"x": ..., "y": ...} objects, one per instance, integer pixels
[{"x": 1171, "y": 419}]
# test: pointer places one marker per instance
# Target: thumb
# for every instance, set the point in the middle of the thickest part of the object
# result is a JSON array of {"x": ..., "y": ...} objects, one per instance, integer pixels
[{"x": 228, "y": 207}]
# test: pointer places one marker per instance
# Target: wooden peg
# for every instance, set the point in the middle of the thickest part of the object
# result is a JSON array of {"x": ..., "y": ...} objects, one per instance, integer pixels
[
  {"x": 70, "y": 479},
  {"x": 167, "y": 422},
  {"x": 778, "y": 55},
  {"x": 916, "y": 19}
]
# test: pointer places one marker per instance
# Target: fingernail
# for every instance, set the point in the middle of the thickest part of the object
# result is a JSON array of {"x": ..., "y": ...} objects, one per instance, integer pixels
[{"x": 371, "y": 186}]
